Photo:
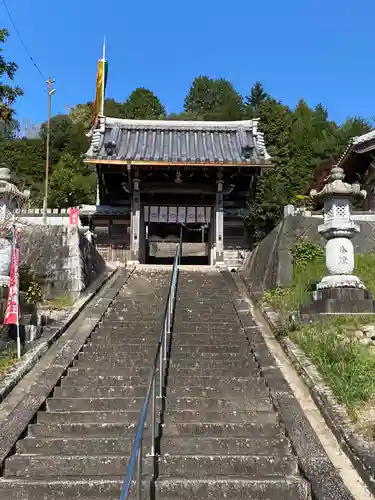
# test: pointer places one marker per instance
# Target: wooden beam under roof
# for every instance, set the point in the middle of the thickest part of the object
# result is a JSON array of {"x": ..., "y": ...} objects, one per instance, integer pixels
[{"x": 266, "y": 164}]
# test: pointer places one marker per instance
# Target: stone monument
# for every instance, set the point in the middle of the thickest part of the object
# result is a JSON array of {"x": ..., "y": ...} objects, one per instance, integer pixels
[{"x": 340, "y": 292}]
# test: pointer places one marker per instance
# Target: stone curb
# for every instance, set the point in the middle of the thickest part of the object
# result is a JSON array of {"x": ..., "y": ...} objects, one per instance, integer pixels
[
  {"x": 51, "y": 334},
  {"x": 28, "y": 396},
  {"x": 326, "y": 482},
  {"x": 360, "y": 452}
]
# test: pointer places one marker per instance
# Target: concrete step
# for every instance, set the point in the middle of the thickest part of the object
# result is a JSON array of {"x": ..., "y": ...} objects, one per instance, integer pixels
[
  {"x": 129, "y": 345},
  {"x": 275, "y": 445},
  {"x": 83, "y": 430},
  {"x": 76, "y": 446},
  {"x": 139, "y": 338},
  {"x": 234, "y": 416},
  {"x": 109, "y": 488},
  {"x": 256, "y": 429},
  {"x": 81, "y": 383},
  {"x": 193, "y": 377},
  {"x": 224, "y": 390},
  {"x": 118, "y": 355},
  {"x": 215, "y": 364},
  {"x": 105, "y": 371},
  {"x": 126, "y": 324},
  {"x": 90, "y": 417},
  {"x": 117, "y": 402},
  {"x": 209, "y": 327},
  {"x": 125, "y": 362},
  {"x": 230, "y": 488},
  {"x": 225, "y": 465},
  {"x": 135, "y": 316},
  {"x": 87, "y": 391},
  {"x": 226, "y": 355},
  {"x": 201, "y": 339},
  {"x": 217, "y": 405},
  {"x": 86, "y": 384},
  {"x": 176, "y": 465},
  {"x": 138, "y": 350},
  {"x": 215, "y": 349},
  {"x": 204, "y": 316},
  {"x": 26, "y": 466}
]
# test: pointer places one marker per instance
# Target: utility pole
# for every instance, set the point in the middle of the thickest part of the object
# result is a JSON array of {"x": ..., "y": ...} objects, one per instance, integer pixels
[{"x": 50, "y": 91}]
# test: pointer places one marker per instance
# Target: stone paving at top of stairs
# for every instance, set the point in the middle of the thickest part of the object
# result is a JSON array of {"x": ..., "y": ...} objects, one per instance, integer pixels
[{"x": 79, "y": 447}]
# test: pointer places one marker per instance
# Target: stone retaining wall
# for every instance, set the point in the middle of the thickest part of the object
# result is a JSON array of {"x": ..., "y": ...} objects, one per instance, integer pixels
[
  {"x": 270, "y": 263},
  {"x": 64, "y": 256}
]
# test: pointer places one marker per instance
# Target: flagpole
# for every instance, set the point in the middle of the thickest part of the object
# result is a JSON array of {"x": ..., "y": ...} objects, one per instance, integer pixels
[
  {"x": 103, "y": 83},
  {"x": 17, "y": 294}
]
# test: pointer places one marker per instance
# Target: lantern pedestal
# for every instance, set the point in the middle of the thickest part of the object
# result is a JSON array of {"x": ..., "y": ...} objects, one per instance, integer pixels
[{"x": 339, "y": 300}]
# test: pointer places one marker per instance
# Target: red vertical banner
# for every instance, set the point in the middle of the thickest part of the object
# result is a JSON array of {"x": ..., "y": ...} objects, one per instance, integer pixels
[
  {"x": 73, "y": 216},
  {"x": 11, "y": 316}
]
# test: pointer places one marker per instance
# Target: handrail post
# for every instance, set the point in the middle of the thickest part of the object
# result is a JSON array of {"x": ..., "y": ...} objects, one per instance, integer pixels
[
  {"x": 153, "y": 418},
  {"x": 161, "y": 370},
  {"x": 139, "y": 472}
]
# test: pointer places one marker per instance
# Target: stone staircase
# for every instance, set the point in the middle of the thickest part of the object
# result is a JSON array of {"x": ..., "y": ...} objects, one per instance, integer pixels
[
  {"x": 221, "y": 436},
  {"x": 79, "y": 446}
]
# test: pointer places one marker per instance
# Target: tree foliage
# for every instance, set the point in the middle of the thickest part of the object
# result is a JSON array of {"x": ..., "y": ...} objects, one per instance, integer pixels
[
  {"x": 298, "y": 139},
  {"x": 72, "y": 183},
  {"x": 213, "y": 99},
  {"x": 143, "y": 104},
  {"x": 8, "y": 93}
]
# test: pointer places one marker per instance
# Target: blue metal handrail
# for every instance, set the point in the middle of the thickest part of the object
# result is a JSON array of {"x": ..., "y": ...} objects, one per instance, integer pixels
[{"x": 159, "y": 364}]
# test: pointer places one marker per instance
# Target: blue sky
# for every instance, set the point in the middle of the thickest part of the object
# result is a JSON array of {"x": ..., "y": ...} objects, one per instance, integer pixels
[{"x": 319, "y": 50}]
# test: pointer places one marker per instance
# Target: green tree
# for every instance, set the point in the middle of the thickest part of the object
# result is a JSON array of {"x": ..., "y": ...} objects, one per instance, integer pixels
[
  {"x": 9, "y": 129},
  {"x": 143, "y": 104},
  {"x": 82, "y": 114},
  {"x": 8, "y": 93},
  {"x": 254, "y": 100},
  {"x": 184, "y": 116},
  {"x": 114, "y": 109},
  {"x": 213, "y": 99},
  {"x": 275, "y": 185},
  {"x": 72, "y": 183},
  {"x": 25, "y": 158},
  {"x": 66, "y": 136}
]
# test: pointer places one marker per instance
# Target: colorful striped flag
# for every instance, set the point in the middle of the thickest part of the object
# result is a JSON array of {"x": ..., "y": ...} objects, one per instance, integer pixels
[{"x": 101, "y": 83}]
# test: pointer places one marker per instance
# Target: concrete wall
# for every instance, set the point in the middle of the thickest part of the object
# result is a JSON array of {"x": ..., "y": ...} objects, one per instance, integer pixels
[
  {"x": 64, "y": 256},
  {"x": 270, "y": 263}
]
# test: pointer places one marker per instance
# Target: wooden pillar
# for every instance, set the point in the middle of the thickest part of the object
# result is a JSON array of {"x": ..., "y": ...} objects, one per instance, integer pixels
[
  {"x": 219, "y": 223},
  {"x": 135, "y": 224}
]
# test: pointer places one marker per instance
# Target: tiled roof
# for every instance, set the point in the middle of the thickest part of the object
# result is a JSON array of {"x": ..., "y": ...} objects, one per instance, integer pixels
[
  {"x": 169, "y": 141},
  {"x": 354, "y": 143}
]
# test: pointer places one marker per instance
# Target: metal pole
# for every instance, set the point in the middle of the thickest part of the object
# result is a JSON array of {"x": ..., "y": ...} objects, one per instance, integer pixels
[
  {"x": 139, "y": 471},
  {"x": 50, "y": 91},
  {"x": 161, "y": 372},
  {"x": 153, "y": 417}
]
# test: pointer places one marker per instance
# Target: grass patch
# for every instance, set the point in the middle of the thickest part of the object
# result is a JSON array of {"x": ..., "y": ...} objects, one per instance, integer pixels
[
  {"x": 347, "y": 367},
  {"x": 7, "y": 359},
  {"x": 60, "y": 302}
]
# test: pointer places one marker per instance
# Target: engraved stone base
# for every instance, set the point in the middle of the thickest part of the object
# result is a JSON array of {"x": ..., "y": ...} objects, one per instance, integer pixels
[
  {"x": 340, "y": 281},
  {"x": 337, "y": 300}
]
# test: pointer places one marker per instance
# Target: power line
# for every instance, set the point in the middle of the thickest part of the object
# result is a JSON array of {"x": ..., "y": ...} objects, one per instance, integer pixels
[{"x": 22, "y": 42}]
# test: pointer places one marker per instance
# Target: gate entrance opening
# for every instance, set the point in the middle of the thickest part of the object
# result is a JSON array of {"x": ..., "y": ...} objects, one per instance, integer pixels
[{"x": 162, "y": 238}]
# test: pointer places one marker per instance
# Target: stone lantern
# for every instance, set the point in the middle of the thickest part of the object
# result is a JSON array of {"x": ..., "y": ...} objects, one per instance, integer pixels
[
  {"x": 10, "y": 199},
  {"x": 340, "y": 291}
]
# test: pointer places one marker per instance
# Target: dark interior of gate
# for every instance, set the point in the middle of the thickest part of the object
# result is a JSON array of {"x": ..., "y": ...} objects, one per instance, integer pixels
[{"x": 159, "y": 180}]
